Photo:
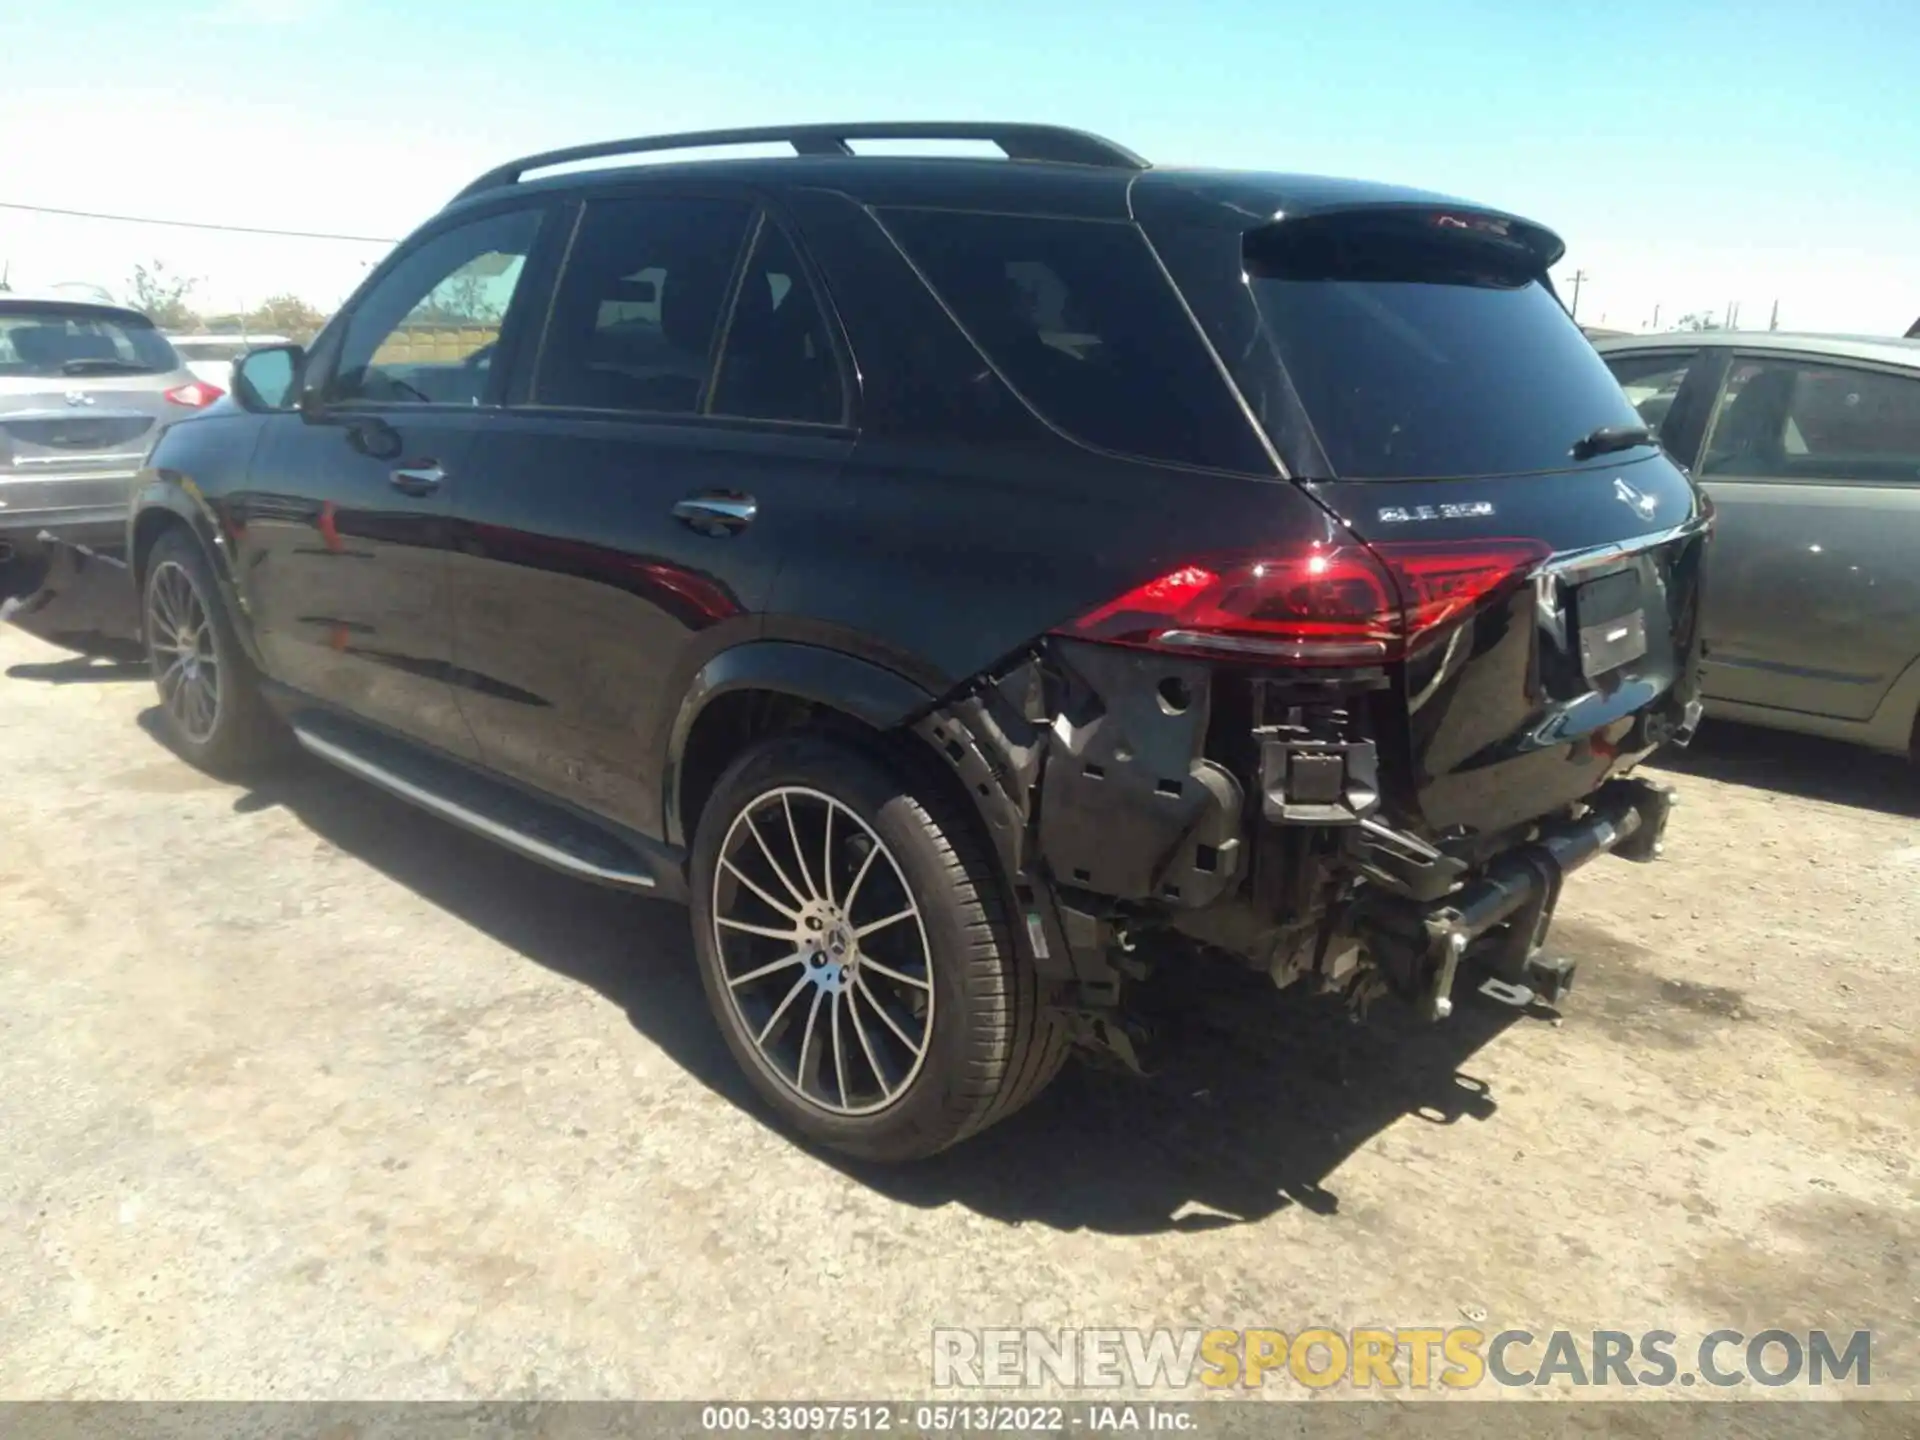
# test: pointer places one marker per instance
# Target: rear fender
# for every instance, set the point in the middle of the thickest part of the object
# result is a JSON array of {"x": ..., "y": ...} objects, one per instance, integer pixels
[
  {"x": 872, "y": 694},
  {"x": 1895, "y": 726},
  {"x": 1084, "y": 764},
  {"x": 168, "y": 500}
]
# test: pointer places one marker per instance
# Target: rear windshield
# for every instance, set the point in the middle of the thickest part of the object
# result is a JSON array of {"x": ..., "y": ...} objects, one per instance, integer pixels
[
  {"x": 1427, "y": 357},
  {"x": 69, "y": 340}
]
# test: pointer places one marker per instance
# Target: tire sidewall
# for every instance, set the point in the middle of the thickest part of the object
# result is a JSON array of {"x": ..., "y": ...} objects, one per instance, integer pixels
[
  {"x": 220, "y": 748},
  {"x": 924, "y": 1118}
]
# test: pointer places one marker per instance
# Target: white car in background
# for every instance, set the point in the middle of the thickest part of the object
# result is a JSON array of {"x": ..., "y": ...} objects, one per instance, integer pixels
[{"x": 211, "y": 357}]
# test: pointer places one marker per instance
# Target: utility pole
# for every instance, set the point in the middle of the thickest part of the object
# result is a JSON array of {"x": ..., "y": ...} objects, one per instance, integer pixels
[
  {"x": 1577, "y": 278},
  {"x": 1773, "y": 321},
  {"x": 1656, "y": 317}
]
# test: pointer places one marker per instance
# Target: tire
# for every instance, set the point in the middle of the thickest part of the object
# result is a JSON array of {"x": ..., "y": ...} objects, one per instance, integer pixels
[
  {"x": 945, "y": 977},
  {"x": 211, "y": 709}
]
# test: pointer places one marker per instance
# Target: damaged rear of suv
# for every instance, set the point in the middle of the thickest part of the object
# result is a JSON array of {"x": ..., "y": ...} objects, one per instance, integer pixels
[
  {"x": 1363, "y": 745},
  {"x": 949, "y": 574}
]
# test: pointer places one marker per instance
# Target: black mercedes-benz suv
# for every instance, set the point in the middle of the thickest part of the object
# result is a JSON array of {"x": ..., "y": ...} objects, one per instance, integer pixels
[{"x": 944, "y": 573}]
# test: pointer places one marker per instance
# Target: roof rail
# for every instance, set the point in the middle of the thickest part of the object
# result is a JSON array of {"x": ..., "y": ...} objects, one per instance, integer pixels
[{"x": 1054, "y": 143}]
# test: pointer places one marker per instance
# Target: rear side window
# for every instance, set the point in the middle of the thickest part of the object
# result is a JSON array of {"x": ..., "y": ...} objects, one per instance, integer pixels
[
  {"x": 777, "y": 362},
  {"x": 1081, "y": 321},
  {"x": 1426, "y": 355},
  {"x": 1801, "y": 420},
  {"x": 69, "y": 340}
]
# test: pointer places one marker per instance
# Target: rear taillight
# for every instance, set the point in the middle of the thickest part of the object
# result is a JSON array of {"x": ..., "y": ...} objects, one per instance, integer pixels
[
  {"x": 195, "y": 394},
  {"x": 1325, "y": 605}
]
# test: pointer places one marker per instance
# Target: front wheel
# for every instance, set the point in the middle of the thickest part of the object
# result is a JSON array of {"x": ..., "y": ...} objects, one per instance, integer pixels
[{"x": 853, "y": 942}]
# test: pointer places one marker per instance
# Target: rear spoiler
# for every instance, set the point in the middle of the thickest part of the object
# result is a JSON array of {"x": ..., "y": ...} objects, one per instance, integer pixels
[{"x": 1517, "y": 246}]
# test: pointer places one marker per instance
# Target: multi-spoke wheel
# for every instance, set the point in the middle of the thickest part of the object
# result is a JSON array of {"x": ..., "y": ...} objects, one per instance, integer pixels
[
  {"x": 853, "y": 943},
  {"x": 824, "y": 950},
  {"x": 210, "y": 706},
  {"x": 186, "y": 666}
]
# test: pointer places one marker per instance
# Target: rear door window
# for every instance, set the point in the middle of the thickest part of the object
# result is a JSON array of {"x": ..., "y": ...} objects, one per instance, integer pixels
[
  {"x": 1081, "y": 321},
  {"x": 78, "y": 340},
  {"x": 1800, "y": 419},
  {"x": 638, "y": 308},
  {"x": 1426, "y": 355}
]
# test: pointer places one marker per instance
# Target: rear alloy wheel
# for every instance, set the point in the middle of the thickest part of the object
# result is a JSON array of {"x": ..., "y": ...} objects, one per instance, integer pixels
[
  {"x": 853, "y": 945},
  {"x": 211, "y": 709},
  {"x": 186, "y": 663},
  {"x": 830, "y": 972}
]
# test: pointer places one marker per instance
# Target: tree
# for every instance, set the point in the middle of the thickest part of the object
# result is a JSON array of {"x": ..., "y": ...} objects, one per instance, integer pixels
[
  {"x": 462, "y": 300},
  {"x": 285, "y": 314},
  {"x": 162, "y": 297},
  {"x": 1699, "y": 320}
]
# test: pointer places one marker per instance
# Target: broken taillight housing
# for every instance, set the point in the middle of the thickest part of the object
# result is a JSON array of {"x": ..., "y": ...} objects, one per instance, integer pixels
[{"x": 1324, "y": 605}]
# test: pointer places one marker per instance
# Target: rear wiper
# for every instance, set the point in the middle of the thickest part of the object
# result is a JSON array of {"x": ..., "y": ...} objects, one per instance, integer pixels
[
  {"x": 1609, "y": 438},
  {"x": 101, "y": 365}
]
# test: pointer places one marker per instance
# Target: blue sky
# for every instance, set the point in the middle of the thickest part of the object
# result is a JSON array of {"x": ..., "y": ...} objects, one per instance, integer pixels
[{"x": 1690, "y": 154}]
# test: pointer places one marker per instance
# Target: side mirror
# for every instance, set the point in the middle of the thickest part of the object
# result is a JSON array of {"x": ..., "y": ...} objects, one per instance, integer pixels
[{"x": 266, "y": 379}]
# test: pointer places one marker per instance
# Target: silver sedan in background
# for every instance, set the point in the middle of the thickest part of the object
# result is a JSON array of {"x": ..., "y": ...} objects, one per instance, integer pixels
[{"x": 1809, "y": 446}]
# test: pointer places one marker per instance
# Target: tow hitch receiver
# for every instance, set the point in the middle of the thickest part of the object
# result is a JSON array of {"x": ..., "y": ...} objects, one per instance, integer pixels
[{"x": 1498, "y": 920}]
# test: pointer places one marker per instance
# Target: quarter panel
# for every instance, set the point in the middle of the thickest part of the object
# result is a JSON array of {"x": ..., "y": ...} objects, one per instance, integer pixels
[
  {"x": 194, "y": 472},
  {"x": 936, "y": 561}
]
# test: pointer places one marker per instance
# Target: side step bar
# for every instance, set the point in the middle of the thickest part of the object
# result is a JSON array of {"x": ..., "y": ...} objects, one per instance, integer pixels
[{"x": 538, "y": 831}]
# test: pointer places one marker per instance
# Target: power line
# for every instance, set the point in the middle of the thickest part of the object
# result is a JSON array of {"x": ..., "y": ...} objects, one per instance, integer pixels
[{"x": 199, "y": 225}]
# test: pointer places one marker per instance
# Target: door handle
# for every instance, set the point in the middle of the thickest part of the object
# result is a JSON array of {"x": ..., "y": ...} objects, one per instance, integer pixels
[
  {"x": 421, "y": 479},
  {"x": 717, "y": 514}
]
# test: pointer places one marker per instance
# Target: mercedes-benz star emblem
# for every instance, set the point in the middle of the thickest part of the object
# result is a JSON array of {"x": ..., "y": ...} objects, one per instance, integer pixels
[{"x": 1642, "y": 504}]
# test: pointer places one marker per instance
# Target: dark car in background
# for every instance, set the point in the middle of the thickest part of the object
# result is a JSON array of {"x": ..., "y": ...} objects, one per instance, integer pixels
[
  {"x": 947, "y": 574},
  {"x": 83, "y": 389},
  {"x": 1809, "y": 446}
]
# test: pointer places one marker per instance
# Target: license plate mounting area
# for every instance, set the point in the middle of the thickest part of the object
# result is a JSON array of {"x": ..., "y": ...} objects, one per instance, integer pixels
[{"x": 1609, "y": 613}]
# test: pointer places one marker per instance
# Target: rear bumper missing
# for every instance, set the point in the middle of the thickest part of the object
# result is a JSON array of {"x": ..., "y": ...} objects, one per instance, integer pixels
[{"x": 1498, "y": 918}]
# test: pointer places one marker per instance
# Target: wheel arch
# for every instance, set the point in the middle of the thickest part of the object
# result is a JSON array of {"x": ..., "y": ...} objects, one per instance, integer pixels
[
  {"x": 1895, "y": 726},
  {"x": 162, "y": 507},
  {"x": 763, "y": 686}
]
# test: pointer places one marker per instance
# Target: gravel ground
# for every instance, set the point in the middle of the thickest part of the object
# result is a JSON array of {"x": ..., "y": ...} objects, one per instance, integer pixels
[{"x": 308, "y": 1095}]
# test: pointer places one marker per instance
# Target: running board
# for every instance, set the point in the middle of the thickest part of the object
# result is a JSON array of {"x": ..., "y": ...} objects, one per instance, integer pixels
[{"x": 537, "y": 830}]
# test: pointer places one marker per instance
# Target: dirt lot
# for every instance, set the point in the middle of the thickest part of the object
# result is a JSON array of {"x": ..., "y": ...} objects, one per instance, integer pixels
[{"x": 306, "y": 1094}]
